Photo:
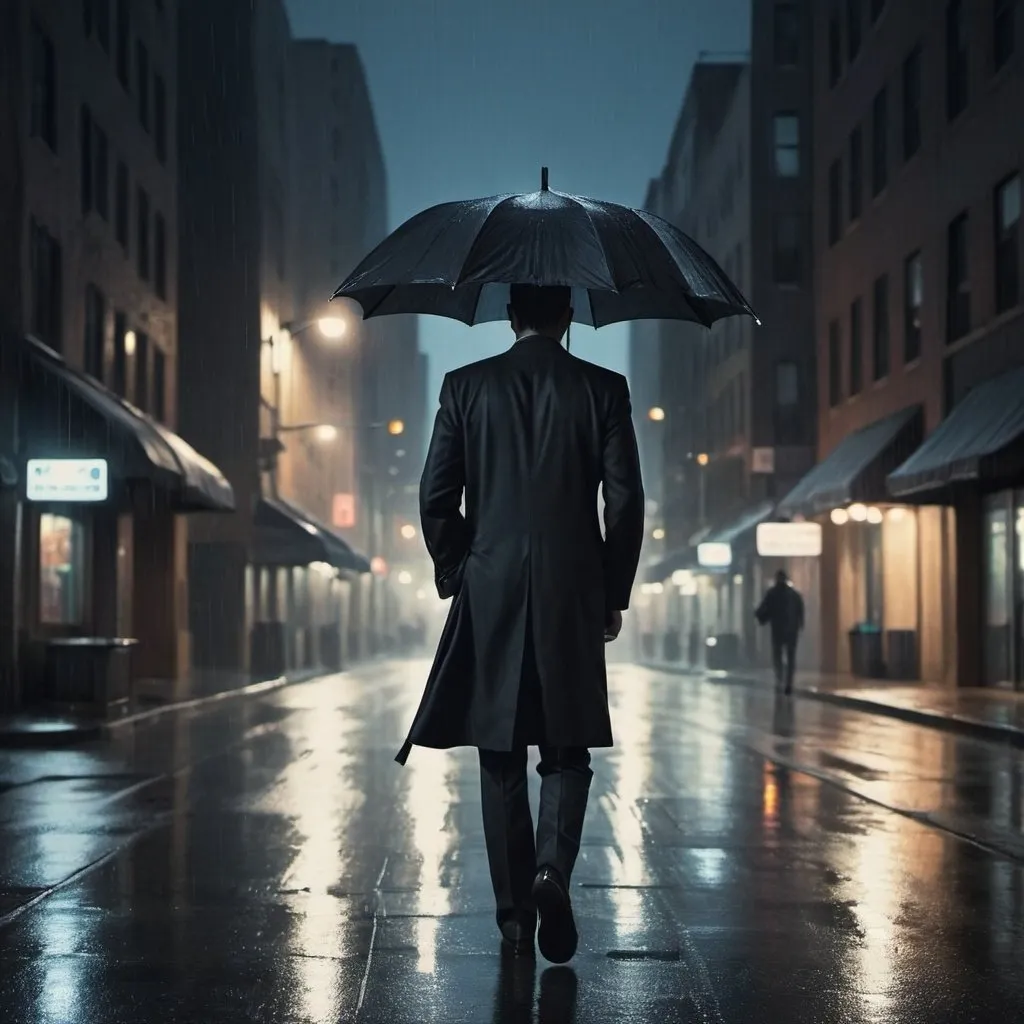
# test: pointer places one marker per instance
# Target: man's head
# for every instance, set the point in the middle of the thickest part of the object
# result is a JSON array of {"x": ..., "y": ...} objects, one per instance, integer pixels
[
  {"x": 546, "y": 311},
  {"x": 781, "y": 578}
]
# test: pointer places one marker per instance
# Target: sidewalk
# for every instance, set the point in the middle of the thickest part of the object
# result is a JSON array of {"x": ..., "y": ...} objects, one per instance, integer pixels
[
  {"x": 41, "y": 728},
  {"x": 985, "y": 713}
]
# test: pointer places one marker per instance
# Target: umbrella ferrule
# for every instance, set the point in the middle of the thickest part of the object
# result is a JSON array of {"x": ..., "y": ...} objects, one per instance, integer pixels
[{"x": 544, "y": 179}]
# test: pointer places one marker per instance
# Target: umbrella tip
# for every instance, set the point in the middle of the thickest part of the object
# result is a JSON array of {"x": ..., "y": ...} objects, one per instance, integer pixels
[{"x": 543, "y": 179}]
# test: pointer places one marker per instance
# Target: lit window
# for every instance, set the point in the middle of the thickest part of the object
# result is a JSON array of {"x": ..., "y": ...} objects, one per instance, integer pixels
[{"x": 61, "y": 570}]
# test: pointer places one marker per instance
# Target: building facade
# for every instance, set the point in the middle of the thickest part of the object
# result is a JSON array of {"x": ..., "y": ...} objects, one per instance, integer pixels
[
  {"x": 738, "y": 401},
  {"x": 90, "y": 346},
  {"x": 917, "y": 245}
]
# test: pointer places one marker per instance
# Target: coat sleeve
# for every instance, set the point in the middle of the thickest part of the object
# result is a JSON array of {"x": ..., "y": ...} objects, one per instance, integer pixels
[
  {"x": 445, "y": 531},
  {"x": 623, "y": 500}
]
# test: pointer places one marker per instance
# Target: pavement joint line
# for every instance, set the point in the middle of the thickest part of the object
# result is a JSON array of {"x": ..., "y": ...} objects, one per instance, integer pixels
[
  {"x": 159, "y": 820},
  {"x": 379, "y": 911}
]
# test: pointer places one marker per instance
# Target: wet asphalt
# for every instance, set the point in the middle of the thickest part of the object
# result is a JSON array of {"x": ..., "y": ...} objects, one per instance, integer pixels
[{"x": 747, "y": 858}]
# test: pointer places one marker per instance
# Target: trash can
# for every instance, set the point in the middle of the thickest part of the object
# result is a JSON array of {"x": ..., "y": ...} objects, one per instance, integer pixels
[
  {"x": 266, "y": 650},
  {"x": 723, "y": 651},
  {"x": 901, "y": 654},
  {"x": 866, "y": 659},
  {"x": 672, "y": 649},
  {"x": 91, "y": 671}
]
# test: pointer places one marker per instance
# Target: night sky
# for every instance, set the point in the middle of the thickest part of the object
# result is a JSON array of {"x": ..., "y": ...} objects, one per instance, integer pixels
[{"x": 473, "y": 96}]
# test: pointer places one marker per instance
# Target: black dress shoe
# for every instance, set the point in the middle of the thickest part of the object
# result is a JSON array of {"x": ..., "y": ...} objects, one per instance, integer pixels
[
  {"x": 557, "y": 935},
  {"x": 516, "y": 939}
]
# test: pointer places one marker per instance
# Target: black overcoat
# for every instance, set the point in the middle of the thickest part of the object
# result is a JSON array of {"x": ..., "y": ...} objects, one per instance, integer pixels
[{"x": 528, "y": 437}]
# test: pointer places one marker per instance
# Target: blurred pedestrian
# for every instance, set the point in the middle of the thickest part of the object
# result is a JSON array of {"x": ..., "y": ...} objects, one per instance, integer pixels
[
  {"x": 527, "y": 437},
  {"x": 783, "y": 610}
]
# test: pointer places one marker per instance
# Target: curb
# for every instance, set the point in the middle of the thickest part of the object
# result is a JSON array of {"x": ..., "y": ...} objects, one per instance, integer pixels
[
  {"x": 85, "y": 732},
  {"x": 961, "y": 724}
]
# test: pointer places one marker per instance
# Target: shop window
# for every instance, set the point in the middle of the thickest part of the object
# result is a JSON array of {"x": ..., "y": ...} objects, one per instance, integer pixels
[
  {"x": 912, "y": 103},
  {"x": 61, "y": 570},
  {"x": 1007, "y": 243},
  {"x": 997, "y": 588},
  {"x": 874, "y": 610}
]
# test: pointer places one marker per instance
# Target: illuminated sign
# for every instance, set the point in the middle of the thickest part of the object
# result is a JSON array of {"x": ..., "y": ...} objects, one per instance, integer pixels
[
  {"x": 66, "y": 480},
  {"x": 789, "y": 540},
  {"x": 343, "y": 511},
  {"x": 714, "y": 555}
]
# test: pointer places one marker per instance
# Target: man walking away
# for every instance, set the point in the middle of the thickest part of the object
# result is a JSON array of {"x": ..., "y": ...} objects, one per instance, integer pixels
[
  {"x": 528, "y": 437},
  {"x": 783, "y": 609}
]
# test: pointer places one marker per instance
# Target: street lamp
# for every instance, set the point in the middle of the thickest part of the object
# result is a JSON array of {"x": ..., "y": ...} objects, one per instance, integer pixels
[
  {"x": 332, "y": 327},
  {"x": 656, "y": 414},
  {"x": 408, "y": 531},
  {"x": 396, "y": 427}
]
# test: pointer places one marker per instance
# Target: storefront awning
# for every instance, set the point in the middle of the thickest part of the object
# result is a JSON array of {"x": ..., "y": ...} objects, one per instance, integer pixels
[
  {"x": 64, "y": 412},
  {"x": 981, "y": 440},
  {"x": 742, "y": 527},
  {"x": 856, "y": 469},
  {"x": 288, "y": 536}
]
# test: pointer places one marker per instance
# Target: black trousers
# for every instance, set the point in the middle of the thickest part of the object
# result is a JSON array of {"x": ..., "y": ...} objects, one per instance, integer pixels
[
  {"x": 514, "y": 855},
  {"x": 784, "y": 659}
]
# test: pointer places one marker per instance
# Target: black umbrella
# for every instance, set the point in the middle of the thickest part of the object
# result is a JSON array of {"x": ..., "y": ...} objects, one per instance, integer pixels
[{"x": 457, "y": 260}]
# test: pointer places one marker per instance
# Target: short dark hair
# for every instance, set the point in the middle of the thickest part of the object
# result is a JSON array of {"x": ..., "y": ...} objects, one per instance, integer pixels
[
  {"x": 781, "y": 577},
  {"x": 539, "y": 305}
]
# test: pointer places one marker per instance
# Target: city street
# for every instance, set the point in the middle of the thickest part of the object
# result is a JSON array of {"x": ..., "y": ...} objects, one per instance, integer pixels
[{"x": 746, "y": 860}]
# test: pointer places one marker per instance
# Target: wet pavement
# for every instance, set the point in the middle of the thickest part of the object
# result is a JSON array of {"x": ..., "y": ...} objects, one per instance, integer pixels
[{"x": 746, "y": 859}]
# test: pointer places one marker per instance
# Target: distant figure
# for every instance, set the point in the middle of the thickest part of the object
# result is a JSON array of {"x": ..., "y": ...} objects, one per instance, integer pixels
[
  {"x": 783, "y": 609},
  {"x": 527, "y": 438}
]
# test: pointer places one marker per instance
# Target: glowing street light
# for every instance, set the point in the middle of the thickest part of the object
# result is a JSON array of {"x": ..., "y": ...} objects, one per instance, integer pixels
[
  {"x": 408, "y": 531},
  {"x": 858, "y": 512},
  {"x": 332, "y": 327},
  {"x": 129, "y": 343},
  {"x": 658, "y": 533},
  {"x": 838, "y": 516},
  {"x": 656, "y": 415},
  {"x": 396, "y": 427},
  {"x": 326, "y": 432},
  {"x": 702, "y": 459},
  {"x": 405, "y": 577}
]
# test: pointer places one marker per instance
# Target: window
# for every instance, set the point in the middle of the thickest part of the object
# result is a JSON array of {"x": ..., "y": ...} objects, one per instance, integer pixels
[
  {"x": 786, "y": 35},
  {"x": 853, "y": 29},
  {"x": 62, "y": 561},
  {"x": 159, "y": 409},
  {"x": 877, "y": 6},
  {"x": 120, "y": 367},
  {"x": 880, "y": 328},
  {"x": 121, "y": 212},
  {"x": 786, "y": 249},
  {"x": 95, "y": 328},
  {"x": 43, "y": 112},
  {"x": 856, "y": 179},
  {"x": 912, "y": 103},
  {"x": 142, "y": 233},
  {"x": 141, "y": 396},
  {"x": 160, "y": 256},
  {"x": 47, "y": 298},
  {"x": 123, "y": 43},
  {"x": 879, "y": 141},
  {"x": 1003, "y": 31},
  {"x": 94, "y": 171},
  {"x": 956, "y": 58},
  {"x": 856, "y": 347},
  {"x": 142, "y": 83},
  {"x": 835, "y": 364},
  {"x": 835, "y": 51},
  {"x": 787, "y": 404},
  {"x": 85, "y": 161},
  {"x": 786, "y": 141},
  {"x": 958, "y": 288},
  {"x": 160, "y": 117},
  {"x": 913, "y": 300},
  {"x": 1007, "y": 239},
  {"x": 835, "y": 202}
]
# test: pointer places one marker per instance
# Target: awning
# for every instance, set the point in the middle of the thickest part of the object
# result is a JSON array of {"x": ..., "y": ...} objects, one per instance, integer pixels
[
  {"x": 741, "y": 528},
  {"x": 855, "y": 470},
  {"x": 65, "y": 413},
  {"x": 288, "y": 536},
  {"x": 980, "y": 441}
]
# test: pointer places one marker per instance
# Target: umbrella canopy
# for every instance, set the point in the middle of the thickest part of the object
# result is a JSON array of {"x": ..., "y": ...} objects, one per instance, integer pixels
[{"x": 457, "y": 260}]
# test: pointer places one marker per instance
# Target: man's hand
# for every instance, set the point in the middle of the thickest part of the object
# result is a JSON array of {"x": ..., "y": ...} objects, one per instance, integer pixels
[{"x": 612, "y": 626}]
